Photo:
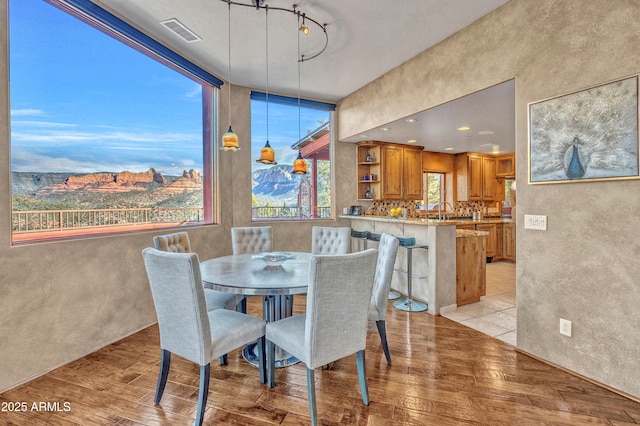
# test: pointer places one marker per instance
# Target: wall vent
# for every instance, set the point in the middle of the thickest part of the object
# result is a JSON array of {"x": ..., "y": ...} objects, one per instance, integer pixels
[{"x": 178, "y": 28}]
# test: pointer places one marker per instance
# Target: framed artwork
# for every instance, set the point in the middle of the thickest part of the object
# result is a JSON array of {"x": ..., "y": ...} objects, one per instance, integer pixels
[{"x": 588, "y": 135}]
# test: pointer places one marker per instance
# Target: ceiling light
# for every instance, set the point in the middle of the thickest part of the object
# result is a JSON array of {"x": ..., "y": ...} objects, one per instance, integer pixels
[
  {"x": 411, "y": 141},
  {"x": 364, "y": 136},
  {"x": 299, "y": 164},
  {"x": 496, "y": 149},
  {"x": 267, "y": 154},
  {"x": 229, "y": 139},
  {"x": 464, "y": 128},
  {"x": 486, "y": 132},
  {"x": 410, "y": 120},
  {"x": 303, "y": 28},
  {"x": 448, "y": 149},
  {"x": 385, "y": 129}
]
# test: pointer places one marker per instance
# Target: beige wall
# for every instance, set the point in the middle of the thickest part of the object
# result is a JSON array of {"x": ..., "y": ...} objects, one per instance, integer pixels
[
  {"x": 60, "y": 301},
  {"x": 585, "y": 266}
]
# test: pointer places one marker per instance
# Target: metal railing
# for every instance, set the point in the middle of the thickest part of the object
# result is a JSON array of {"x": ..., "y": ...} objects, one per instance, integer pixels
[
  {"x": 284, "y": 213},
  {"x": 60, "y": 220}
]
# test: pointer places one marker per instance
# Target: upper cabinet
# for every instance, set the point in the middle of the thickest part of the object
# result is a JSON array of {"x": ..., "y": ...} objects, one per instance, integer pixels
[
  {"x": 506, "y": 166},
  {"x": 476, "y": 178},
  {"x": 395, "y": 173}
]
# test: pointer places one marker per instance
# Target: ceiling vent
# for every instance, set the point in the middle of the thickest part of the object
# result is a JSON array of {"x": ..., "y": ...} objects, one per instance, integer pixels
[{"x": 177, "y": 27}]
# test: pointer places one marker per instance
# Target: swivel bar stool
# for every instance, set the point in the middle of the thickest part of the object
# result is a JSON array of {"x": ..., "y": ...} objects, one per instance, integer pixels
[
  {"x": 362, "y": 236},
  {"x": 409, "y": 304}
]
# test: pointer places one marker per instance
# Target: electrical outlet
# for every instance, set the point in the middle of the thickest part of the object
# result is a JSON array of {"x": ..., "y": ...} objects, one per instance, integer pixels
[
  {"x": 565, "y": 327},
  {"x": 532, "y": 221}
]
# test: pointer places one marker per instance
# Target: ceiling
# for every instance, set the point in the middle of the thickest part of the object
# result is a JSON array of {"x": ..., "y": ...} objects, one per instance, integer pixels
[{"x": 365, "y": 40}]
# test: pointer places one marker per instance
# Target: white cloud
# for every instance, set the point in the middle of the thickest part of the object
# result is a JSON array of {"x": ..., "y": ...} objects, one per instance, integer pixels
[
  {"x": 30, "y": 123},
  {"x": 27, "y": 112}
]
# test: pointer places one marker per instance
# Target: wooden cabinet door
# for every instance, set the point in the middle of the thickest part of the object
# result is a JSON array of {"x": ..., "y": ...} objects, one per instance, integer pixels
[
  {"x": 510, "y": 242},
  {"x": 491, "y": 238},
  {"x": 391, "y": 172},
  {"x": 499, "y": 241},
  {"x": 489, "y": 182},
  {"x": 412, "y": 174},
  {"x": 475, "y": 178}
]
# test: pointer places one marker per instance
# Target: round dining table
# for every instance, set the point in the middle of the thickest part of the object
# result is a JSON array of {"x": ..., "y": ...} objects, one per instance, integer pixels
[{"x": 242, "y": 274}]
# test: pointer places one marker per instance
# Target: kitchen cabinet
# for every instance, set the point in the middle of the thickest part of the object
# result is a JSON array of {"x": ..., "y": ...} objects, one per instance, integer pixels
[
  {"x": 476, "y": 178},
  {"x": 401, "y": 172},
  {"x": 506, "y": 166},
  {"x": 492, "y": 241},
  {"x": 510, "y": 241},
  {"x": 471, "y": 268},
  {"x": 395, "y": 171}
]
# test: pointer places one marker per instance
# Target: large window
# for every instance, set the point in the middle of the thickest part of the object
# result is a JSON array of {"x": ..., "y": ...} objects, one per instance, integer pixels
[
  {"x": 104, "y": 138},
  {"x": 435, "y": 184},
  {"x": 277, "y": 193}
]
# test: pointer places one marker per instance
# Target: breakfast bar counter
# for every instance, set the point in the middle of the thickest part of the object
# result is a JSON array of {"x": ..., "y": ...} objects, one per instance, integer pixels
[{"x": 434, "y": 269}]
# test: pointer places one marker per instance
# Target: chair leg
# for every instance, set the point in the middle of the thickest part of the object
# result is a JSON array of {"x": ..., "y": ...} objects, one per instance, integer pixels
[
  {"x": 382, "y": 331},
  {"x": 311, "y": 391},
  {"x": 224, "y": 360},
  {"x": 261, "y": 360},
  {"x": 271, "y": 364},
  {"x": 242, "y": 306},
  {"x": 362, "y": 377},
  {"x": 203, "y": 393},
  {"x": 165, "y": 361}
]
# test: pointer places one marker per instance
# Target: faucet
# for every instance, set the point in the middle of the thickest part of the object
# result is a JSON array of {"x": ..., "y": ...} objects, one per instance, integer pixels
[{"x": 445, "y": 208}]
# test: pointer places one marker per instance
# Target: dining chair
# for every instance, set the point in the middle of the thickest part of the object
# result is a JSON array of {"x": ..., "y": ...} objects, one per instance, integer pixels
[
  {"x": 330, "y": 240},
  {"x": 187, "y": 328},
  {"x": 335, "y": 323},
  {"x": 251, "y": 239},
  {"x": 179, "y": 243},
  {"x": 387, "y": 250}
]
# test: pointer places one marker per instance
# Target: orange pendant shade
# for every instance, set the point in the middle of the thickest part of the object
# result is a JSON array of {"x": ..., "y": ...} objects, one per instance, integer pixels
[
  {"x": 300, "y": 165},
  {"x": 267, "y": 155},
  {"x": 230, "y": 141}
]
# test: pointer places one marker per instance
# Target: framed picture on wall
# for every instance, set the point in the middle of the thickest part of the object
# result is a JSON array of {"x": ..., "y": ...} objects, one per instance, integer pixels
[{"x": 587, "y": 135}]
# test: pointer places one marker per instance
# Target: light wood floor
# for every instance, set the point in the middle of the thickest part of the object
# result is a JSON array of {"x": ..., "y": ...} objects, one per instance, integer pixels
[{"x": 443, "y": 373}]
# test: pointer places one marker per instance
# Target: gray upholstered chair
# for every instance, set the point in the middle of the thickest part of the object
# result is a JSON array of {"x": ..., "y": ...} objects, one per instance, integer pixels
[
  {"x": 187, "y": 328},
  {"x": 251, "y": 239},
  {"x": 179, "y": 243},
  {"x": 330, "y": 240},
  {"x": 335, "y": 323},
  {"x": 387, "y": 250}
]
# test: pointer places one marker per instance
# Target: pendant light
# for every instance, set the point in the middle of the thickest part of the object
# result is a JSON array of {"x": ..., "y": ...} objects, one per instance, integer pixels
[
  {"x": 229, "y": 139},
  {"x": 267, "y": 154},
  {"x": 299, "y": 164}
]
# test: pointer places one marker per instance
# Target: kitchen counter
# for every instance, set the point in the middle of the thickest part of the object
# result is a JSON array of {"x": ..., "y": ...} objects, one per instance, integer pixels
[{"x": 428, "y": 222}]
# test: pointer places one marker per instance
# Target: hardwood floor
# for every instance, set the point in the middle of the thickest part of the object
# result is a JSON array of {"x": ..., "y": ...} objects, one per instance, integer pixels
[{"x": 443, "y": 373}]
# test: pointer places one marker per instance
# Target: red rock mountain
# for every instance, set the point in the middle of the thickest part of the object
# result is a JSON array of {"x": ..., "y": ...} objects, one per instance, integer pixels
[{"x": 126, "y": 181}]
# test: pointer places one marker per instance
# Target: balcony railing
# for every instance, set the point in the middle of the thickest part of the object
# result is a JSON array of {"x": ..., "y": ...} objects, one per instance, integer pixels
[
  {"x": 62, "y": 220},
  {"x": 284, "y": 213}
]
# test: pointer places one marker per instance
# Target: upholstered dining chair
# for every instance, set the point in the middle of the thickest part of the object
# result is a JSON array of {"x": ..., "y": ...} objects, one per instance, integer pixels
[
  {"x": 179, "y": 243},
  {"x": 251, "y": 239},
  {"x": 187, "y": 328},
  {"x": 387, "y": 250},
  {"x": 330, "y": 240},
  {"x": 335, "y": 323}
]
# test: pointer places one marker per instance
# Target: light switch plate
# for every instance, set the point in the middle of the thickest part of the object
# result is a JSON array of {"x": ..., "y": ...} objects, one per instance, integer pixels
[{"x": 538, "y": 222}]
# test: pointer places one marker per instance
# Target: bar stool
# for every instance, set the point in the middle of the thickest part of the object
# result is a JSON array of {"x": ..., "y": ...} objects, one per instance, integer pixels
[
  {"x": 362, "y": 236},
  {"x": 409, "y": 304},
  {"x": 392, "y": 293}
]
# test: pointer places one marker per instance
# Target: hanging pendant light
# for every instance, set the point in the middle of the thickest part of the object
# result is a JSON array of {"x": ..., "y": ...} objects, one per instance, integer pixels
[
  {"x": 299, "y": 164},
  {"x": 267, "y": 154},
  {"x": 230, "y": 139}
]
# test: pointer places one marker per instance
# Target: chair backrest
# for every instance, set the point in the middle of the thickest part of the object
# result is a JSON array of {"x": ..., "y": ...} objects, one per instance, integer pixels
[
  {"x": 330, "y": 240},
  {"x": 338, "y": 299},
  {"x": 251, "y": 239},
  {"x": 387, "y": 250},
  {"x": 176, "y": 243},
  {"x": 178, "y": 295}
]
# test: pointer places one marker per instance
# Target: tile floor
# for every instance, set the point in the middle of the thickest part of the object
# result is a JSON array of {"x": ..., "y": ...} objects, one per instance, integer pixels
[{"x": 495, "y": 313}]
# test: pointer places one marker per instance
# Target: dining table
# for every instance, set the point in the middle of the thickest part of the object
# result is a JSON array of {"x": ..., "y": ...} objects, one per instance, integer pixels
[{"x": 250, "y": 275}]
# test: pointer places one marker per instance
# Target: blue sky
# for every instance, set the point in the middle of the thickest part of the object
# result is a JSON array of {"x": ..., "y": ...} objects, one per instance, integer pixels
[{"x": 84, "y": 102}]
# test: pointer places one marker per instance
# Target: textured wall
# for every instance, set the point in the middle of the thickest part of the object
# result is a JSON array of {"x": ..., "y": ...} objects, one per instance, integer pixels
[{"x": 584, "y": 267}]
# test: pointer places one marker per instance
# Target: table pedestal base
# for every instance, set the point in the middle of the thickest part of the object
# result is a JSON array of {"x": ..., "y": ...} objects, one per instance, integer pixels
[{"x": 274, "y": 307}]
